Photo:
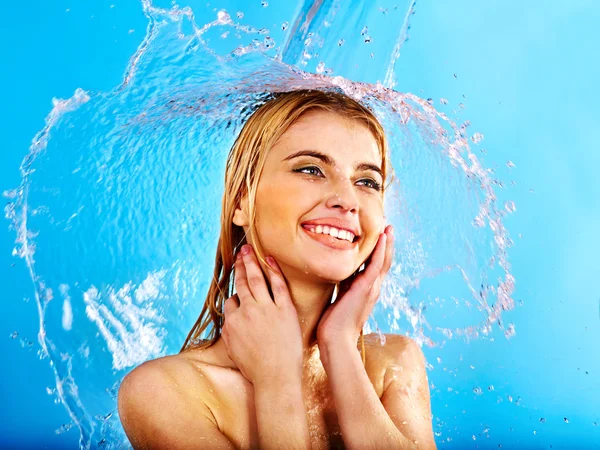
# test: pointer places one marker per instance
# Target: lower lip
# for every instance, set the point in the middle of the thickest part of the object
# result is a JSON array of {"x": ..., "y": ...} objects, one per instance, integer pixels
[{"x": 330, "y": 241}]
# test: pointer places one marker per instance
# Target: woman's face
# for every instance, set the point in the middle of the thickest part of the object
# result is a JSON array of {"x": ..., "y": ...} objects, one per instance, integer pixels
[{"x": 338, "y": 185}]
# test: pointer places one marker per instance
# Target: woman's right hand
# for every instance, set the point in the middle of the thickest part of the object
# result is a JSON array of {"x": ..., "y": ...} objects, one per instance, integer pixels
[{"x": 262, "y": 336}]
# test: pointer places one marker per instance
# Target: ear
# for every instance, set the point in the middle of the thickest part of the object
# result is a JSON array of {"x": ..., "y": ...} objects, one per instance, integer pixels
[{"x": 240, "y": 215}]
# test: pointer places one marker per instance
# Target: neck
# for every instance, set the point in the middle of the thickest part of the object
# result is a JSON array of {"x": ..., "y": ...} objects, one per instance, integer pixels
[{"x": 310, "y": 301}]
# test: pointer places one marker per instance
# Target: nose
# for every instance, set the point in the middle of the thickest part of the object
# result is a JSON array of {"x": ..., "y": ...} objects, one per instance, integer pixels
[{"x": 343, "y": 195}]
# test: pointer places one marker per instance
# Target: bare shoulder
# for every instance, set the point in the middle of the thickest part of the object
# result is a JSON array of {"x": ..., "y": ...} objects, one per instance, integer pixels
[
  {"x": 161, "y": 405},
  {"x": 405, "y": 395},
  {"x": 395, "y": 355},
  {"x": 392, "y": 348}
]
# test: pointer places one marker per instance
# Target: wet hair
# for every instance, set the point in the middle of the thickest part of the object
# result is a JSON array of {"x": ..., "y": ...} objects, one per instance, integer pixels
[{"x": 245, "y": 163}]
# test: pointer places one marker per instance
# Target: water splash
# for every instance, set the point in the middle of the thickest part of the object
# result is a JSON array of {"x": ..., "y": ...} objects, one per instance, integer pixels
[{"x": 127, "y": 247}]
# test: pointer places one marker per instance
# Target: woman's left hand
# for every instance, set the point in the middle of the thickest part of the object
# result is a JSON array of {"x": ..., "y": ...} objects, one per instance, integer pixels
[{"x": 344, "y": 320}]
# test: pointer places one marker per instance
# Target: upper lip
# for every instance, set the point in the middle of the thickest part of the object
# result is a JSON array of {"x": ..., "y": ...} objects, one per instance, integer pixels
[{"x": 334, "y": 222}]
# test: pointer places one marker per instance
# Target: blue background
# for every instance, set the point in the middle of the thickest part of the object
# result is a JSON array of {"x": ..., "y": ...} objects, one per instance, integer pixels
[{"x": 526, "y": 73}]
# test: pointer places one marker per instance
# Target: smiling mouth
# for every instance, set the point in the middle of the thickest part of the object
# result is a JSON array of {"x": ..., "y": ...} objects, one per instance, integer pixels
[{"x": 332, "y": 241}]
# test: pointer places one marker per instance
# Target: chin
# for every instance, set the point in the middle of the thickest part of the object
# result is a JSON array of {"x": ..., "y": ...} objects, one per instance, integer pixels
[{"x": 332, "y": 275}]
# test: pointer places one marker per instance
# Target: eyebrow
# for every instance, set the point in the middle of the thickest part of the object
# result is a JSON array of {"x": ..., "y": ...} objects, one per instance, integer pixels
[{"x": 330, "y": 162}]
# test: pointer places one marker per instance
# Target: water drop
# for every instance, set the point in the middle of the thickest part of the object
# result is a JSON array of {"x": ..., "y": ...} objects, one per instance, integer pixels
[
  {"x": 284, "y": 25},
  {"x": 321, "y": 67},
  {"x": 341, "y": 42},
  {"x": 566, "y": 420},
  {"x": 368, "y": 39},
  {"x": 239, "y": 15},
  {"x": 14, "y": 335},
  {"x": 477, "y": 390},
  {"x": 511, "y": 331},
  {"x": 477, "y": 137},
  {"x": 269, "y": 42},
  {"x": 478, "y": 222},
  {"x": 264, "y": 3},
  {"x": 64, "y": 428},
  {"x": 12, "y": 193},
  {"x": 542, "y": 420},
  {"x": 364, "y": 31}
]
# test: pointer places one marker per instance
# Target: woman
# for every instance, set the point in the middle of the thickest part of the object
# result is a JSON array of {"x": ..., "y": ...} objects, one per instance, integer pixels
[{"x": 283, "y": 367}]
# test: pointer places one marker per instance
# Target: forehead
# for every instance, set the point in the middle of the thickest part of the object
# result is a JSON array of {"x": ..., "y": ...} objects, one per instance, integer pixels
[{"x": 329, "y": 132}]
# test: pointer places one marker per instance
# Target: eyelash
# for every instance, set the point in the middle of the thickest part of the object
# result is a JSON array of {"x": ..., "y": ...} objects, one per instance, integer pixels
[{"x": 376, "y": 186}]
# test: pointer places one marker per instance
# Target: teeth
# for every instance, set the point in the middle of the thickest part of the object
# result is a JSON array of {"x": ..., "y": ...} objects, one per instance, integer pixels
[{"x": 340, "y": 234}]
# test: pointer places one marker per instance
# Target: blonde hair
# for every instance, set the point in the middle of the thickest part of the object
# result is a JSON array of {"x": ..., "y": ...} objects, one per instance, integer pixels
[{"x": 245, "y": 163}]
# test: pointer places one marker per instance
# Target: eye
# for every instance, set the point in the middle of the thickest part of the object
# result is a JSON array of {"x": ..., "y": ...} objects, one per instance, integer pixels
[
  {"x": 373, "y": 184},
  {"x": 314, "y": 168}
]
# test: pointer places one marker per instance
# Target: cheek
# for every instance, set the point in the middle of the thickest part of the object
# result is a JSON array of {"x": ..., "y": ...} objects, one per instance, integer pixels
[
  {"x": 277, "y": 203},
  {"x": 374, "y": 215},
  {"x": 278, "y": 209},
  {"x": 374, "y": 224}
]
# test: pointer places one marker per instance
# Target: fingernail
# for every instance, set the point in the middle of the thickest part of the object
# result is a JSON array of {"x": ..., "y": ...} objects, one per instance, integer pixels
[
  {"x": 245, "y": 249},
  {"x": 239, "y": 255},
  {"x": 272, "y": 263}
]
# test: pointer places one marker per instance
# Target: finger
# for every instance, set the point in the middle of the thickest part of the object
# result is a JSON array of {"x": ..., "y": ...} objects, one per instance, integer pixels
[
  {"x": 388, "y": 258},
  {"x": 377, "y": 259},
  {"x": 254, "y": 276},
  {"x": 389, "y": 251},
  {"x": 281, "y": 293},
  {"x": 347, "y": 283},
  {"x": 231, "y": 304},
  {"x": 368, "y": 277},
  {"x": 241, "y": 282}
]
